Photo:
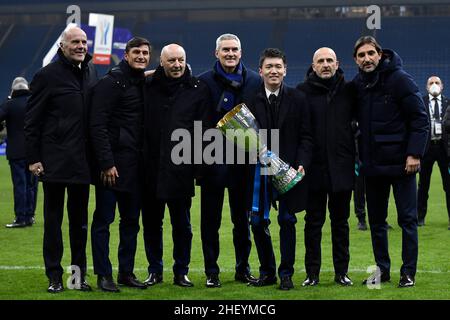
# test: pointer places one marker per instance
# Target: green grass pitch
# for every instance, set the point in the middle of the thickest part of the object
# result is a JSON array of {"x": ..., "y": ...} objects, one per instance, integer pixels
[{"x": 22, "y": 274}]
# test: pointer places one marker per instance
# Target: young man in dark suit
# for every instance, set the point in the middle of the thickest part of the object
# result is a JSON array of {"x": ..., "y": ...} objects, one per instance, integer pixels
[
  {"x": 278, "y": 107},
  {"x": 435, "y": 105}
]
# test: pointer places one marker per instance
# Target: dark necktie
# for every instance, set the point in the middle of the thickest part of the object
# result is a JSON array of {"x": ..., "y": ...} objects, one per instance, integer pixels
[
  {"x": 273, "y": 109},
  {"x": 436, "y": 110}
]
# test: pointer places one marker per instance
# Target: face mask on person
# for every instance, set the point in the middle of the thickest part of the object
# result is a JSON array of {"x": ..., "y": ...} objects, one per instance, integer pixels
[{"x": 435, "y": 89}]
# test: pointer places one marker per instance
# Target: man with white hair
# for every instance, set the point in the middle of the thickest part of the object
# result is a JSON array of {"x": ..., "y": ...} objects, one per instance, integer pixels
[
  {"x": 229, "y": 83},
  {"x": 24, "y": 182},
  {"x": 56, "y": 143}
]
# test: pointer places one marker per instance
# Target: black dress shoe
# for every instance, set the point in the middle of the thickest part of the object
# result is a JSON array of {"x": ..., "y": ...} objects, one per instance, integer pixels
[
  {"x": 106, "y": 283},
  {"x": 264, "y": 280},
  {"x": 153, "y": 278},
  {"x": 84, "y": 286},
  {"x": 343, "y": 280},
  {"x": 385, "y": 277},
  {"x": 286, "y": 283},
  {"x": 182, "y": 280},
  {"x": 212, "y": 281},
  {"x": 244, "y": 277},
  {"x": 311, "y": 280},
  {"x": 55, "y": 286},
  {"x": 130, "y": 280},
  {"x": 17, "y": 224},
  {"x": 406, "y": 281}
]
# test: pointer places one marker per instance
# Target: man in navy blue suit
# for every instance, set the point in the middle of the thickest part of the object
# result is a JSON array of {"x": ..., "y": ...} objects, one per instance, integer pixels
[{"x": 394, "y": 129}]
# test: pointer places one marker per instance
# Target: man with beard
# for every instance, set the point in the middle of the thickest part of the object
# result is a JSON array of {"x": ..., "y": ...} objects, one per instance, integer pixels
[
  {"x": 116, "y": 133},
  {"x": 176, "y": 100},
  {"x": 56, "y": 142},
  {"x": 394, "y": 130},
  {"x": 331, "y": 174}
]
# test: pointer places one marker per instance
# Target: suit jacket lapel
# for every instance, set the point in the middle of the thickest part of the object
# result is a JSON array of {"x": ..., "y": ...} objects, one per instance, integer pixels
[{"x": 284, "y": 106}]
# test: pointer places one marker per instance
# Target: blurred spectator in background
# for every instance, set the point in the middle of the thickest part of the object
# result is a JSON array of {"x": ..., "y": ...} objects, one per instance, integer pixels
[
  {"x": 24, "y": 182},
  {"x": 436, "y": 105}
]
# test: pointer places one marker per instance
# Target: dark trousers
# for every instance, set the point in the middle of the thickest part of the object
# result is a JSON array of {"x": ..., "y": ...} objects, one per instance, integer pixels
[
  {"x": 152, "y": 221},
  {"x": 263, "y": 243},
  {"x": 77, "y": 209},
  {"x": 25, "y": 186},
  {"x": 211, "y": 217},
  {"x": 339, "y": 208},
  {"x": 359, "y": 198},
  {"x": 377, "y": 193},
  {"x": 105, "y": 208},
  {"x": 435, "y": 153}
]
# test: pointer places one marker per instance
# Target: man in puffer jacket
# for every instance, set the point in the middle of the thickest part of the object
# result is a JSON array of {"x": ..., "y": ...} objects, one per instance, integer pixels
[{"x": 394, "y": 129}]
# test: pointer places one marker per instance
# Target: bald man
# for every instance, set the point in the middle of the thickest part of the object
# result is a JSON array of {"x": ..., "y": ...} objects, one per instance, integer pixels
[
  {"x": 436, "y": 105},
  {"x": 176, "y": 100},
  {"x": 56, "y": 143},
  {"x": 331, "y": 174}
]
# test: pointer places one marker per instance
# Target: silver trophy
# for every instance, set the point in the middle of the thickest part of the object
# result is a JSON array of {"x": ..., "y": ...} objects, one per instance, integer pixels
[{"x": 242, "y": 121}]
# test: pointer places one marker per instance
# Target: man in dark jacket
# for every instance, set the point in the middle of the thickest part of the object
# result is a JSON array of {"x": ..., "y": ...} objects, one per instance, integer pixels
[
  {"x": 436, "y": 105},
  {"x": 56, "y": 144},
  {"x": 24, "y": 182},
  {"x": 116, "y": 133},
  {"x": 280, "y": 108},
  {"x": 176, "y": 101},
  {"x": 331, "y": 174},
  {"x": 230, "y": 83},
  {"x": 394, "y": 129}
]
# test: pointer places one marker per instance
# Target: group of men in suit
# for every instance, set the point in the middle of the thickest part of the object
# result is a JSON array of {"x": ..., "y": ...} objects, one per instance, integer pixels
[{"x": 117, "y": 134}]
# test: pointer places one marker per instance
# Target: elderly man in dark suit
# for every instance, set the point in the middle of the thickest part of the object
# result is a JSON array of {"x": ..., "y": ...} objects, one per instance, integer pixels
[
  {"x": 394, "y": 128},
  {"x": 436, "y": 105},
  {"x": 278, "y": 107},
  {"x": 24, "y": 182},
  {"x": 56, "y": 142}
]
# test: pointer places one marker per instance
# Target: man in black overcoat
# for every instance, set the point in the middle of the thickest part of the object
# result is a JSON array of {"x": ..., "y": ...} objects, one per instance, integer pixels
[
  {"x": 117, "y": 133},
  {"x": 331, "y": 174},
  {"x": 178, "y": 103},
  {"x": 56, "y": 138}
]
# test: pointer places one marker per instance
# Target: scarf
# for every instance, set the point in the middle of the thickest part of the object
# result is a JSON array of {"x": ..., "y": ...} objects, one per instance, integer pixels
[{"x": 232, "y": 81}]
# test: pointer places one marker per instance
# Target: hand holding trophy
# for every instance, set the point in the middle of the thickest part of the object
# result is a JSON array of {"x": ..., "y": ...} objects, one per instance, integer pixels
[{"x": 284, "y": 177}]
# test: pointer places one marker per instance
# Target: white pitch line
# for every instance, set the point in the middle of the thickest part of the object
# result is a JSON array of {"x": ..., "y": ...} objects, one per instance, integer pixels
[{"x": 197, "y": 270}]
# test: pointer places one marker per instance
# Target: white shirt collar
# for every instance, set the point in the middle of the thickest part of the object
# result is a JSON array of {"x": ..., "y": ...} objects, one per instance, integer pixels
[
  {"x": 268, "y": 92},
  {"x": 431, "y": 97}
]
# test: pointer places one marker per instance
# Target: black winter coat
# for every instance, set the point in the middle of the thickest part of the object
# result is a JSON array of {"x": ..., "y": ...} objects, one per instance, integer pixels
[
  {"x": 391, "y": 116},
  {"x": 295, "y": 140},
  {"x": 56, "y": 120},
  {"x": 332, "y": 109},
  {"x": 173, "y": 107},
  {"x": 116, "y": 125},
  {"x": 13, "y": 111}
]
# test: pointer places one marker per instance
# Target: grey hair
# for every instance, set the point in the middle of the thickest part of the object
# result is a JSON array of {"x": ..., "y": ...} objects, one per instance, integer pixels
[{"x": 227, "y": 36}]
